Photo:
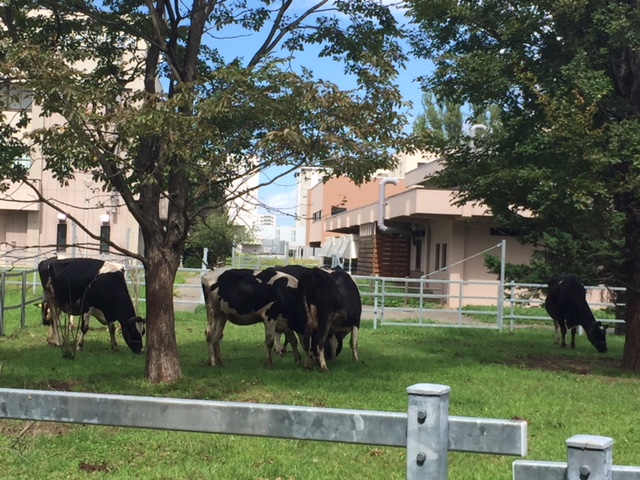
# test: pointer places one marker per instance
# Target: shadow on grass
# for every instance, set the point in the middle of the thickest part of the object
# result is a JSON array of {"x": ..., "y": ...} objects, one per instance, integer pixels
[{"x": 391, "y": 358}]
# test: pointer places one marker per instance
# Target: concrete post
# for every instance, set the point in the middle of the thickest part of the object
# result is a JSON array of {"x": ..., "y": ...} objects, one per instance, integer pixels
[
  {"x": 590, "y": 457},
  {"x": 427, "y": 431}
]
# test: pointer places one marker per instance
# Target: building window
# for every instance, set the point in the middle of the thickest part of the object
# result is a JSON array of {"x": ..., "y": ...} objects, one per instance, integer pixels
[
  {"x": 105, "y": 236},
  {"x": 317, "y": 216},
  {"x": 336, "y": 210},
  {"x": 441, "y": 255},
  {"x": 14, "y": 97},
  {"x": 61, "y": 237},
  {"x": 24, "y": 161},
  {"x": 418, "y": 264}
]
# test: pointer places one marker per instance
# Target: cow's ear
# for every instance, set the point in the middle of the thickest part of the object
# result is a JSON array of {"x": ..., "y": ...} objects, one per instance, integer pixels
[{"x": 598, "y": 324}]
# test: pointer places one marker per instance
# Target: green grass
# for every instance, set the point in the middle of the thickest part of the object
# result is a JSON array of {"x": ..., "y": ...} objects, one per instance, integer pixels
[{"x": 493, "y": 375}]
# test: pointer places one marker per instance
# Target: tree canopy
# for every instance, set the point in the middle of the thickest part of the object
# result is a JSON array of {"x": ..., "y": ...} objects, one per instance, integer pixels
[
  {"x": 152, "y": 104},
  {"x": 563, "y": 170}
]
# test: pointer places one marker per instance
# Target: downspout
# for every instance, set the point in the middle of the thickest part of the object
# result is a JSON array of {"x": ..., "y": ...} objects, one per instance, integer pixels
[{"x": 381, "y": 203}]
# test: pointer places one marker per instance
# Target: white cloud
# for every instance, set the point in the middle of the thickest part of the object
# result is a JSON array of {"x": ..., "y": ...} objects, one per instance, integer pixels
[{"x": 282, "y": 201}]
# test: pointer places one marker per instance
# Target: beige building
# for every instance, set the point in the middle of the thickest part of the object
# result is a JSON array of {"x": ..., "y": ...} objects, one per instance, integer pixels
[
  {"x": 31, "y": 230},
  {"x": 415, "y": 231}
]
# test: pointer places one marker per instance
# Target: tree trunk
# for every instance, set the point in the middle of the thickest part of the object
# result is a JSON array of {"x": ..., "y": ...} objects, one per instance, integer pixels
[
  {"x": 163, "y": 363},
  {"x": 631, "y": 354}
]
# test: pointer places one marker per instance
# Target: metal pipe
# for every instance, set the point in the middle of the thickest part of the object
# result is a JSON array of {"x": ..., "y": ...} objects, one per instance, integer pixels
[{"x": 381, "y": 197}]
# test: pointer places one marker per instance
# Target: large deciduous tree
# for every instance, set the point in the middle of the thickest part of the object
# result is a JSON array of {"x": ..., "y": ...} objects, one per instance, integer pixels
[
  {"x": 566, "y": 75},
  {"x": 220, "y": 97}
]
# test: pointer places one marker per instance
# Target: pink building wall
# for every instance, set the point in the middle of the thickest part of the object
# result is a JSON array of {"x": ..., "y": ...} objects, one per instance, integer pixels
[{"x": 344, "y": 193}]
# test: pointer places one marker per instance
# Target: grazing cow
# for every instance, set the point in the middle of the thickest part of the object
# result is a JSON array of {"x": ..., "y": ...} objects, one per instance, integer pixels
[
  {"x": 245, "y": 297},
  {"x": 326, "y": 312},
  {"x": 87, "y": 286},
  {"x": 351, "y": 301},
  {"x": 567, "y": 306}
]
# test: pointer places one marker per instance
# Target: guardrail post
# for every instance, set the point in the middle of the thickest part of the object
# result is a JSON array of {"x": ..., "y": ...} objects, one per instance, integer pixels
[
  {"x": 589, "y": 457},
  {"x": 427, "y": 431}
]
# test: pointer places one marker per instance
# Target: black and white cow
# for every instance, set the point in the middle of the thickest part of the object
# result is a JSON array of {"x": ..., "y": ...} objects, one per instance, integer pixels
[
  {"x": 566, "y": 304},
  {"x": 86, "y": 286},
  {"x": 246, "y": 297},
  {"x": 326, "y": 314},
  {"x": 351, "y": 302}
]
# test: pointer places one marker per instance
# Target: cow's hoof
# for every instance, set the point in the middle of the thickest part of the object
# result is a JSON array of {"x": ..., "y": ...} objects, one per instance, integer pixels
[{"x": 115, "y": 348}]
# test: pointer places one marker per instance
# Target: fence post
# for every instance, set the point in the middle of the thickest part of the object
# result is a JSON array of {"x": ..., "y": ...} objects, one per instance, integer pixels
[
  {"x": 3, "y": 288},
  {"x": 23, "y": 307},
  {"x": 589, "y": 456},
  {"x": 503, "y": 261},
  {"x": 427, "y": 431}
]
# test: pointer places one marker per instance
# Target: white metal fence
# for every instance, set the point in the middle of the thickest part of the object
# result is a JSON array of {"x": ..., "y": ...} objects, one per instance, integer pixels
[{"x": 426, "y": 430}]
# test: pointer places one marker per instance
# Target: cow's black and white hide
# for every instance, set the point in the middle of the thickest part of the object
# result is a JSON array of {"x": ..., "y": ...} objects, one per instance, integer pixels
[
  {"x": 350, "y": 301},
  {"x": 246, "y": 297},
  {"x": 89, "y": 287},
  {"x": 566, "y": 304}
]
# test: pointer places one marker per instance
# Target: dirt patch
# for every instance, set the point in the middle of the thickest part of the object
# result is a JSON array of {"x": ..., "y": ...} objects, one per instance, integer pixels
[
  {"x": 21, "y": 428},
  {"x": 57, "y": 385},
  {"x": 559, "y": 363}
]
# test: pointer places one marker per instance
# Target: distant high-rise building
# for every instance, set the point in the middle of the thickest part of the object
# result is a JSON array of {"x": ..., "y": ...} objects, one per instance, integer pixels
[{"x": 308, "y": 177}]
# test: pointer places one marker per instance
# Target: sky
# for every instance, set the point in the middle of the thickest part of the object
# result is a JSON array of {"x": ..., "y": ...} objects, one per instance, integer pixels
[{"x": 280, "y": 196}]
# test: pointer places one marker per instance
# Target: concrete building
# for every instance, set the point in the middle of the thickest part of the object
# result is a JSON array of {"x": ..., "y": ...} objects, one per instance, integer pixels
[
  {"x": 419, "y": 234},
  {"x": 31, "y": 230}
]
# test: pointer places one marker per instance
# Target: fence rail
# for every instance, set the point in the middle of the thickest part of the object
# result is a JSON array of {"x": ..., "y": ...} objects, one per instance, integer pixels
[{"x": 426, "y": 430}]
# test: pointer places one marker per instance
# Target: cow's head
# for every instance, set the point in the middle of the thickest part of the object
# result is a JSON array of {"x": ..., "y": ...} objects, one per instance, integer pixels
[
  {"x": 47, "y": 313},
  {"x": 597, "y": 335},
  {"x": 133, "y": 330}
]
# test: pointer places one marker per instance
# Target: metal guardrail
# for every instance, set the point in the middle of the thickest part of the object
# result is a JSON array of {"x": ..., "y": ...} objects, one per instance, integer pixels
[
  {"x": 426, "y": 430},
  {"x": 589, "y": 457}
]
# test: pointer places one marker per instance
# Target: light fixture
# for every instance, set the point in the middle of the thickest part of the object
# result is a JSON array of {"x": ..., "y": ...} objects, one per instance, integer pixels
[
  {"x": 104, "y": 218},
  {"x": 62, "y": 217}
]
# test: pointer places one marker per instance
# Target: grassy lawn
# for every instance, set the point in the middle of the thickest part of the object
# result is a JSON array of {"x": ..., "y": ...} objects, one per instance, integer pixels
[{"x": 509, "y": 375}]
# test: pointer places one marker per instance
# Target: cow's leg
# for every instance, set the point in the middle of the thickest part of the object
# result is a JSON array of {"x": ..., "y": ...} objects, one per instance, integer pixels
[
  {"x": 556, "y": 328},
  {"x": 112, "y": 333},
  {"x": 290, "y": 337},
  {"x": 563, "y": 334},
  {"x": 215, "y": 327},
  {"x": 354, "y": 344},
  {"x": 321, "y": 358},
  {"x": 573, "y": 337},
  {"x": 84, "y": 328},
  {"x": 279, "y": 347},
  {"x": 54, "y": 327},
  {"x": 269, "y": 338},
  {"x": 333, "y": 345}
]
